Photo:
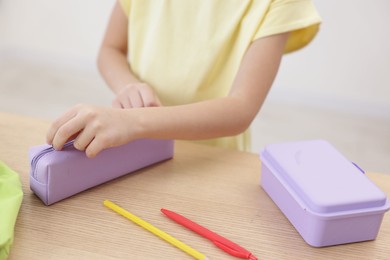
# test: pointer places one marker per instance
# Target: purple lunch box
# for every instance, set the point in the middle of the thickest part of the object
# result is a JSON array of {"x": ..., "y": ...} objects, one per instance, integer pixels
[
  {"x": 56, "y": 175},
  {"x": 328, "y": 199}
]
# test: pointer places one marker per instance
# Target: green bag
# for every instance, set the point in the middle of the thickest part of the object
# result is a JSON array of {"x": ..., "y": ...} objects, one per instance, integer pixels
[{"x": 11, "y": 195}]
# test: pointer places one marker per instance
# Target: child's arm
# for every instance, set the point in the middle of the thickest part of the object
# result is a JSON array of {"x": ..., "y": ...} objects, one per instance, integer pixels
[
  {"x": 114, "y": 67},
  {"x": 98, "y": 128}
]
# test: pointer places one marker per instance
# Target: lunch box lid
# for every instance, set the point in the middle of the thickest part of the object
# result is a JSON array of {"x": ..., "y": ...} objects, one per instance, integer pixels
[{"x": 322, "y": 177}]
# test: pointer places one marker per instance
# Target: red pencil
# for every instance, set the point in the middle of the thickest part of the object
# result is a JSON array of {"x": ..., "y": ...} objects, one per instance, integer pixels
[{"x": 221, "y": 242}]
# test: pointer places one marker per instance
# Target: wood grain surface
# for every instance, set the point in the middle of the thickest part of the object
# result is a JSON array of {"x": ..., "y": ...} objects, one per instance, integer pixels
[{"x": 215, "y": 187}]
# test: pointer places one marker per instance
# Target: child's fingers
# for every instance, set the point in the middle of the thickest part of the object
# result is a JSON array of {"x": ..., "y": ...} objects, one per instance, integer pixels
[
  {"x": 67, "y": 130},
  {"x": 136, "y": 99},
  {"x": 84, "y": 138},
  {"x": 116, "y": 103},
  {"x": 135, "y": 96},
  {"x": 94, "y": 148},
  {"x": 58, "y": 123},
  {"x": 122, "y": 101},
  {"x": 148, "y": 96},
  {"x": 125, "y": 101}
]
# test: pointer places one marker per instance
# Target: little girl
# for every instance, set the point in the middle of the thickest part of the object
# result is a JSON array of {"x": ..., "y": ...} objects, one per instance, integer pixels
[{"x": 187, "y": 69}]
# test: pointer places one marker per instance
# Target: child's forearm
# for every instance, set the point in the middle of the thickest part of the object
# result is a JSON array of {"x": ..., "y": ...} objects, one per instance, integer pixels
[
  {"x": 112, "y": 60},
  {"x": 115, "y": 69},
  {"x": 98, "y": 128},
  {"x": 208, "y": 119}
]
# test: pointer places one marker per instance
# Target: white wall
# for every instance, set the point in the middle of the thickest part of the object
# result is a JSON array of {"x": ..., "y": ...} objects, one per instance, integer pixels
[
  {"x": 65, "y": 32},
  {"x": 346, "y": 67}
]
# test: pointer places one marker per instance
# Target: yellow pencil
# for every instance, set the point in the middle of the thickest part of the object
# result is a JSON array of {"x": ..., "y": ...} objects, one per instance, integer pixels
[{"x": 189, "y": 250}]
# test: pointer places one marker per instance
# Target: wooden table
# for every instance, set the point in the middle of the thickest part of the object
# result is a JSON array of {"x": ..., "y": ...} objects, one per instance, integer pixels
[{"x": 214, "y": 187}]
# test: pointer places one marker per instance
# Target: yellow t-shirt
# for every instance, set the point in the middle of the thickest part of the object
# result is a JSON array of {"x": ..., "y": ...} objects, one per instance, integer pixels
[{"x": 190, "y": 50}]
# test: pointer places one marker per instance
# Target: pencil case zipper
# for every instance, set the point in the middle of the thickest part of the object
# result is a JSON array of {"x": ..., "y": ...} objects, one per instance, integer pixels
[{"x": 41, "y": 154}]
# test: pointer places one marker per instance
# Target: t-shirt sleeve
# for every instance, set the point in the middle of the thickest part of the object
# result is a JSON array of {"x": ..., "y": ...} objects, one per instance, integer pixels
[
  {"x": 125, "y": 4},
  {"x": 299, "y": 17}
]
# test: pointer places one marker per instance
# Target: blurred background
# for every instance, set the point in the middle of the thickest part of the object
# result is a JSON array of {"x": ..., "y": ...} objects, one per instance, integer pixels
[{"x": 337, "y": 88}]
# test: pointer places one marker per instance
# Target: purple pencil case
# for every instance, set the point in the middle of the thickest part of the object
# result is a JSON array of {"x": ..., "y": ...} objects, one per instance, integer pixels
[
  {"x": 56, "y": 175},
  {"x": 328, "y": 199}
]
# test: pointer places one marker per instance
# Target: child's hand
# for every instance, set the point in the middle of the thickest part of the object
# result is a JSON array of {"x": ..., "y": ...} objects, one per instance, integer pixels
[
  {"x": 136, "y": 95},
  {"x": 94, "y": 129}
]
